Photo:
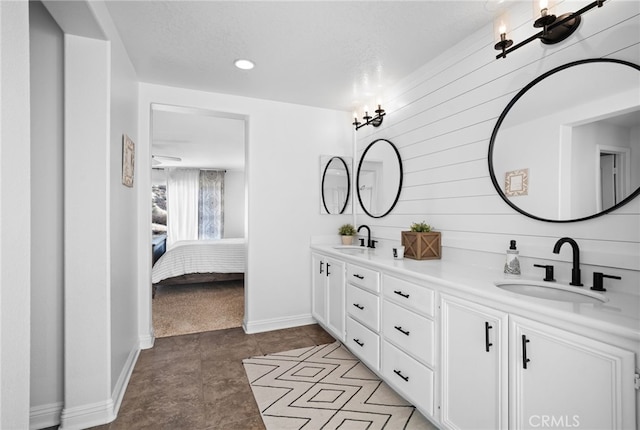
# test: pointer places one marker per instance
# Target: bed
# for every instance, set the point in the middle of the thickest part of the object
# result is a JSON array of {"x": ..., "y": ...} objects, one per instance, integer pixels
[{"x": 196, "y": 261}]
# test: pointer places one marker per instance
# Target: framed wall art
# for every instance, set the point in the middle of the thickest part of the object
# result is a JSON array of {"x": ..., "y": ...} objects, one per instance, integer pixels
[
  {"x": 128, "y": 160},
  {"x": 516, "y": 183}
]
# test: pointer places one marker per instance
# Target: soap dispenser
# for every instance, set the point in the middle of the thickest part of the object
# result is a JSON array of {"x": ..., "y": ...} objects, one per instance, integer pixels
[{"x": 512, "y": 263}]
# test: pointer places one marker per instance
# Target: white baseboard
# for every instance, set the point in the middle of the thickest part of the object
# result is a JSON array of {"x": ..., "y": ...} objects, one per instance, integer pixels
[
  {"x": 251, "y": 327},
  {"x": 123, "y": 379},
  {"x": 85, "y": 416},
  {"x": 147, "y": 341},
  {"x": 44, "y": 416}
]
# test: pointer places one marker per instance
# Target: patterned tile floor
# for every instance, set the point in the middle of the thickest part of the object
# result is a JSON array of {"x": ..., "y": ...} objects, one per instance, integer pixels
[{"x": 198, "y": 382}]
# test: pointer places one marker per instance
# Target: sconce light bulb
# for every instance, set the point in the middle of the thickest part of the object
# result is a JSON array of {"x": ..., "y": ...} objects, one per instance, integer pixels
[
  {"x": 502, "y": 30},
  {"x": 544, "y": 4}
]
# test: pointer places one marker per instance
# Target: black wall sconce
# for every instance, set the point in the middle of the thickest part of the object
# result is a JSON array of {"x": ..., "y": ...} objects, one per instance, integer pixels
[
  {"x": 554, "y": 29},
  {"x": 369, "y": 120}
]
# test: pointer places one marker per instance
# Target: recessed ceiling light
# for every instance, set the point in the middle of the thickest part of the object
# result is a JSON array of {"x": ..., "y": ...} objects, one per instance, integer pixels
[{"x": 244, "y": 64}]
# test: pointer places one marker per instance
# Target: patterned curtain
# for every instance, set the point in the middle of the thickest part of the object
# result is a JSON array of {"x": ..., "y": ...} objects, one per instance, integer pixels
[{"x": 211, "y": 210}]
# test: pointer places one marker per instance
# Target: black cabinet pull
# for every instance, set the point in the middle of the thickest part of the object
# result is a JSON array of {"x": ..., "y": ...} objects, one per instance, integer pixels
[
  {"x": 358, "y": 342},
  {"x": 400, "y": 293},
  {"x": 328, "y": 265},
  {"x": 358, "y": 276},
  {"x": 321, "y": 267},
  {"x": 487, "y": 344},
  {"x": 399, "y": 373},
  {"x": 525, "y": 360},
  {"x": 358, "y": 306},
  {"x": 399, "y": 328}
]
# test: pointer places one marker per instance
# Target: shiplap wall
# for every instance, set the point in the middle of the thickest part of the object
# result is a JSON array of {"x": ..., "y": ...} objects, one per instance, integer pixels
[{"x": 441, "y": 119}]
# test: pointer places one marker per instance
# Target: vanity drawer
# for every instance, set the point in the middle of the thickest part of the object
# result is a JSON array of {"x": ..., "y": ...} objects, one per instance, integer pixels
[
  {"x": 413, "y": 296},
  {"x": 408, "y": 376},
  {"x": 363, "y": 277},
  {"x": 363, "y": 306},
  {"x": 364, "y": 343},
  {"x": 411, "y": 332}
]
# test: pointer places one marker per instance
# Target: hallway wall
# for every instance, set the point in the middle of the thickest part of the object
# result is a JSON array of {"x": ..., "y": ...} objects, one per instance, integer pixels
[{"x": 47, "y": 216}]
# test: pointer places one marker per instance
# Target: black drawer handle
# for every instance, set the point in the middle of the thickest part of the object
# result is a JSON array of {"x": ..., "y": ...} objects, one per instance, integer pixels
[
  {"x": 328, "y": 265},
  {"x": 399, "y": 328},
  {"x": 487, "y": 344},
  {"x": 525, "y": 360},
  {"x": 358, "y": 342},
  {"x": 358, "y": 306},
  {"x": 399, "y": 373},
  {"x": 358, "y": 276},
  {"x": 400, "y": 293},
  {"x": 321, "y": 267}
]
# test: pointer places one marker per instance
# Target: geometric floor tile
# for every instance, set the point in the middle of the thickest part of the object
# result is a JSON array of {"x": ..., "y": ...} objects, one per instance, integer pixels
[{"x": 326, "y": 387}]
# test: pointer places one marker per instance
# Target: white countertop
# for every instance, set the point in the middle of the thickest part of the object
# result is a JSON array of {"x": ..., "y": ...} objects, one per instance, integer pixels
[{"x": 619, "y": 316}]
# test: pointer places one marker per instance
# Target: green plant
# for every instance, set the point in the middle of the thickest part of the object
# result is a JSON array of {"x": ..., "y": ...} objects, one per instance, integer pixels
[
  {"x": 420, "y": 227},
  {"x": 347, "y": 230}
]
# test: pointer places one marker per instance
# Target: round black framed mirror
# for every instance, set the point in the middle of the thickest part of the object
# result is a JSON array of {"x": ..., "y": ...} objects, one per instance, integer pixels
[
  {"x": 567, "y": 146},
  {"x": 379, "y": 178},
  {"x": 336, "y": 186}
]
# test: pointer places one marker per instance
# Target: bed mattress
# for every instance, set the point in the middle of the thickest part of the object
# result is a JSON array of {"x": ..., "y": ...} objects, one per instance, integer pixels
[{"x": 201, "y": 256}]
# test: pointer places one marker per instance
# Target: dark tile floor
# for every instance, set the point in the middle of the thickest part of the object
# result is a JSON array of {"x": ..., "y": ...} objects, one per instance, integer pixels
[{"x": 197, "y": 381}]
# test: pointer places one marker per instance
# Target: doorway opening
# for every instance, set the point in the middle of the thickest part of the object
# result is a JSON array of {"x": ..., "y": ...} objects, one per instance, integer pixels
[{"x": 198, "y": 209}]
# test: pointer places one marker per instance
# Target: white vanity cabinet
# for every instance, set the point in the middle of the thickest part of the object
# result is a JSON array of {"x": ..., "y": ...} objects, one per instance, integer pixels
[
  {"x": 474, "y": 369},
  {"x": 408, "y": 349},
  {"x": 502, "y": 371},
  {"x": 328, "y": 294},
  {"x": 469, "y": 358},
  {"x": 559, "y": 378},
  {"x": 363, "y": 314}
]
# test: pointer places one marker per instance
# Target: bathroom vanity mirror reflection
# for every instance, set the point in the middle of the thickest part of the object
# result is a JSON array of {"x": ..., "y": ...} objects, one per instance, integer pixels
[
  {"x": 379, "y": 178},
  {"x": 567, "y": 147},
  {"x": 335, "y": 185}
]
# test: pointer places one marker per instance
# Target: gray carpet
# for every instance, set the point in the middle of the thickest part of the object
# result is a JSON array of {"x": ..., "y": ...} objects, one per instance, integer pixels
[
  {"x": 326, "y": 387},
  {"x": 196, "y": 308}
]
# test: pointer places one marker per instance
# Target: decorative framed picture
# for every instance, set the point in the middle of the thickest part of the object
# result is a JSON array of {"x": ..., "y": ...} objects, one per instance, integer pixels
[
  {"x": 128, "y": 160},
  {"x": 516, "y": 183}
]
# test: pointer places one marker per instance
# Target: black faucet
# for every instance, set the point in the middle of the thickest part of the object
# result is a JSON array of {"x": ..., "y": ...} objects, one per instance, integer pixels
[
  {"x": 575, "y": 272},
  {"x": 370, "y": 243}
]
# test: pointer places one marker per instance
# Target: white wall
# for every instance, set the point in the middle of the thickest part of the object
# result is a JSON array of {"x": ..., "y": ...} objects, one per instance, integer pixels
[
  {"x": 234, "y": 197},
  {"x": 123, "y": 204},
  {"x": 15, "y": 203},
  {"x": 47, "y": 216},
  {"x": 441, "y": 118},
  {"x": 284, "y": 145}
]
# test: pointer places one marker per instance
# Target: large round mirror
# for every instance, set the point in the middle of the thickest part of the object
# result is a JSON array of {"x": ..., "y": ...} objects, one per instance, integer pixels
[
  {"x": 379, "y": 178},
  {"x": 336, "y": 186},
  {"x": 567, "y": 147}
]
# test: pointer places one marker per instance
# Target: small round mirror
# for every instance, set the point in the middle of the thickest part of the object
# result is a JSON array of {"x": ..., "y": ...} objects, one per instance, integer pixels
[
  {"x": 336, "y": 186},
  {"x": 379, "y": 178}
]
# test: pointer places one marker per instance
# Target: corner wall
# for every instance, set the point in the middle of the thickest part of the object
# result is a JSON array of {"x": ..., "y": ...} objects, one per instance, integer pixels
[
  {"x": 47, "y": 217},
  {"x": 441, "y": 118},
  {"x": 15, "y": 229}
]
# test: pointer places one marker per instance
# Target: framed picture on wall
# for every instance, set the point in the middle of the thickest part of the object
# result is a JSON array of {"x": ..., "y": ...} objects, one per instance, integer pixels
[
  {"x": 516, "y": 183},
  {"x": 128, "y": 160}
]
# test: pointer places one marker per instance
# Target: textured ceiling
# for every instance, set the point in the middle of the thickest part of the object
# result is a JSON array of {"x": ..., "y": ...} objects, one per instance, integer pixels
[{"x": 332, "y": 54}]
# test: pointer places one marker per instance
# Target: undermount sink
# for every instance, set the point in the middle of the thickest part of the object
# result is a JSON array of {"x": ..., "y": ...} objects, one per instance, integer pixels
[
  {"x": 352, "y": 249},
  {"x": 551, "y": 291}
]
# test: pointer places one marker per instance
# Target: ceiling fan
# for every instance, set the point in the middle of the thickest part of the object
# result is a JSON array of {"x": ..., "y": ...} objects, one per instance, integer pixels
[{"x": 157, "y": 160}]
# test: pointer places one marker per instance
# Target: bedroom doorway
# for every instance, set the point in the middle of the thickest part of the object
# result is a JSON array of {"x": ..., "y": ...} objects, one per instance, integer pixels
[{"x": 198, "y": 209}]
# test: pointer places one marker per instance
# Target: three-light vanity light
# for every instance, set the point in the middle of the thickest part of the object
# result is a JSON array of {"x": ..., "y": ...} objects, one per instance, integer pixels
[
  {"x": 554, "y": 29},
  {"x": 368, "y": 119}
]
